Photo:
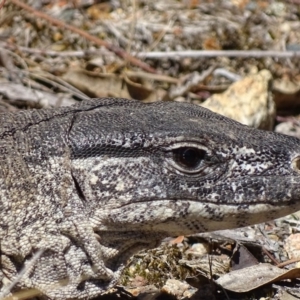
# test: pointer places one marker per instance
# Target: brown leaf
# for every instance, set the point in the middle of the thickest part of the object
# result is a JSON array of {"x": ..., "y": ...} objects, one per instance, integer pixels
[
  {"x": 248, "y": 279},
  {"x": 96, "y": 84},
  {"x": 138, "y": 89},
  {"x": 242, "y": 258}
]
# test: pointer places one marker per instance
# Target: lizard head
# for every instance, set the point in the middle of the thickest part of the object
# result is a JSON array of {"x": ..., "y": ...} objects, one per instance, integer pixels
[
  {"x": 176, "y": 168},
  {"x": 94, "y": 183},
  {"x": 182, "y": 168}
]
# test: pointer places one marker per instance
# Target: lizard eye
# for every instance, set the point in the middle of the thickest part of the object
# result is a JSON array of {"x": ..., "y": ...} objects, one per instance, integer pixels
[{"x": 189, "y": 157}]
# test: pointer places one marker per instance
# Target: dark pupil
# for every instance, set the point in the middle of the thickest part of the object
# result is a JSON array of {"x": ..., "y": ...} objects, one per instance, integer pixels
[{"x": 189, "y": 157}]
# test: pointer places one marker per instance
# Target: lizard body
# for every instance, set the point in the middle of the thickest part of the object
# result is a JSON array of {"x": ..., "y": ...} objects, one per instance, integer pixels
[{"x": 91, "y": 184}]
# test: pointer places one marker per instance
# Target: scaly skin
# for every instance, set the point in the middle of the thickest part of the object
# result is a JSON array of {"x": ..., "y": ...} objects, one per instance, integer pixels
[{"x": 93, "y": 183}]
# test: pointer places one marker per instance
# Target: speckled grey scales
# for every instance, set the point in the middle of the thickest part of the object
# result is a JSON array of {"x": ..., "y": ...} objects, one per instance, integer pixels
[{"x": 93, "y": 183}]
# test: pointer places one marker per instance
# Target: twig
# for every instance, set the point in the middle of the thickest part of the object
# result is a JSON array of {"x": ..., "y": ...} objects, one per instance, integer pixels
[
  {"x": 27, "y": 268},
  {"x": 288, "y": 262},
  {"x": 217, "y": 53},
  {"x": 271, "y": 257},
  {"x": 190, "y": 81},
  {"x": 156, "y": 77},
  {"x": 2, "y": 4},
  {"x": 118, "y": 51},
  {"x": 170, "y": 54},
  {"x": 79, "y": 53},
  {"x": 229, "y": 75},
  {"x": 58, "y": 83},
  {"x": 17, "y": 57}
]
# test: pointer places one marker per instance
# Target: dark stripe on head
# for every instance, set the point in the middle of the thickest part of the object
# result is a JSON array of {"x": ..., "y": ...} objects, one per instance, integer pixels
[{"x": 105, "y": 150}]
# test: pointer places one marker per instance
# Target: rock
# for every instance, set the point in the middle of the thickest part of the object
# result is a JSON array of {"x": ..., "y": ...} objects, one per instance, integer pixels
[
  {"x": 248, "y": 101},
  {"x": 290, "y": 128},
  {"x": 176, "y": 287}
]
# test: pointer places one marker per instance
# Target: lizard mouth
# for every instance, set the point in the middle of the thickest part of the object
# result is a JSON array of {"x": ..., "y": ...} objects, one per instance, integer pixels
[{"x": 187, "y": 217}]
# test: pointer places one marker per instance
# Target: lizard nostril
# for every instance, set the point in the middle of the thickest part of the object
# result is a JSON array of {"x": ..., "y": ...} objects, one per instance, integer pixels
[{"x": 296, "y": 164}]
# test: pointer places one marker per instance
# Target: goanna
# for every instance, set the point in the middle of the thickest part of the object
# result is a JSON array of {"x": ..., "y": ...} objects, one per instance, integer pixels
[{"x": 89, "y": 185}]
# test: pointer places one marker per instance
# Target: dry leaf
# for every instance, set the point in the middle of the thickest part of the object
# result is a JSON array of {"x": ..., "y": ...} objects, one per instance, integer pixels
[
  {"x": 292, "y": 246},
  {"x": 96, "y": 84},
  {"x": 250, "y": 278}
]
